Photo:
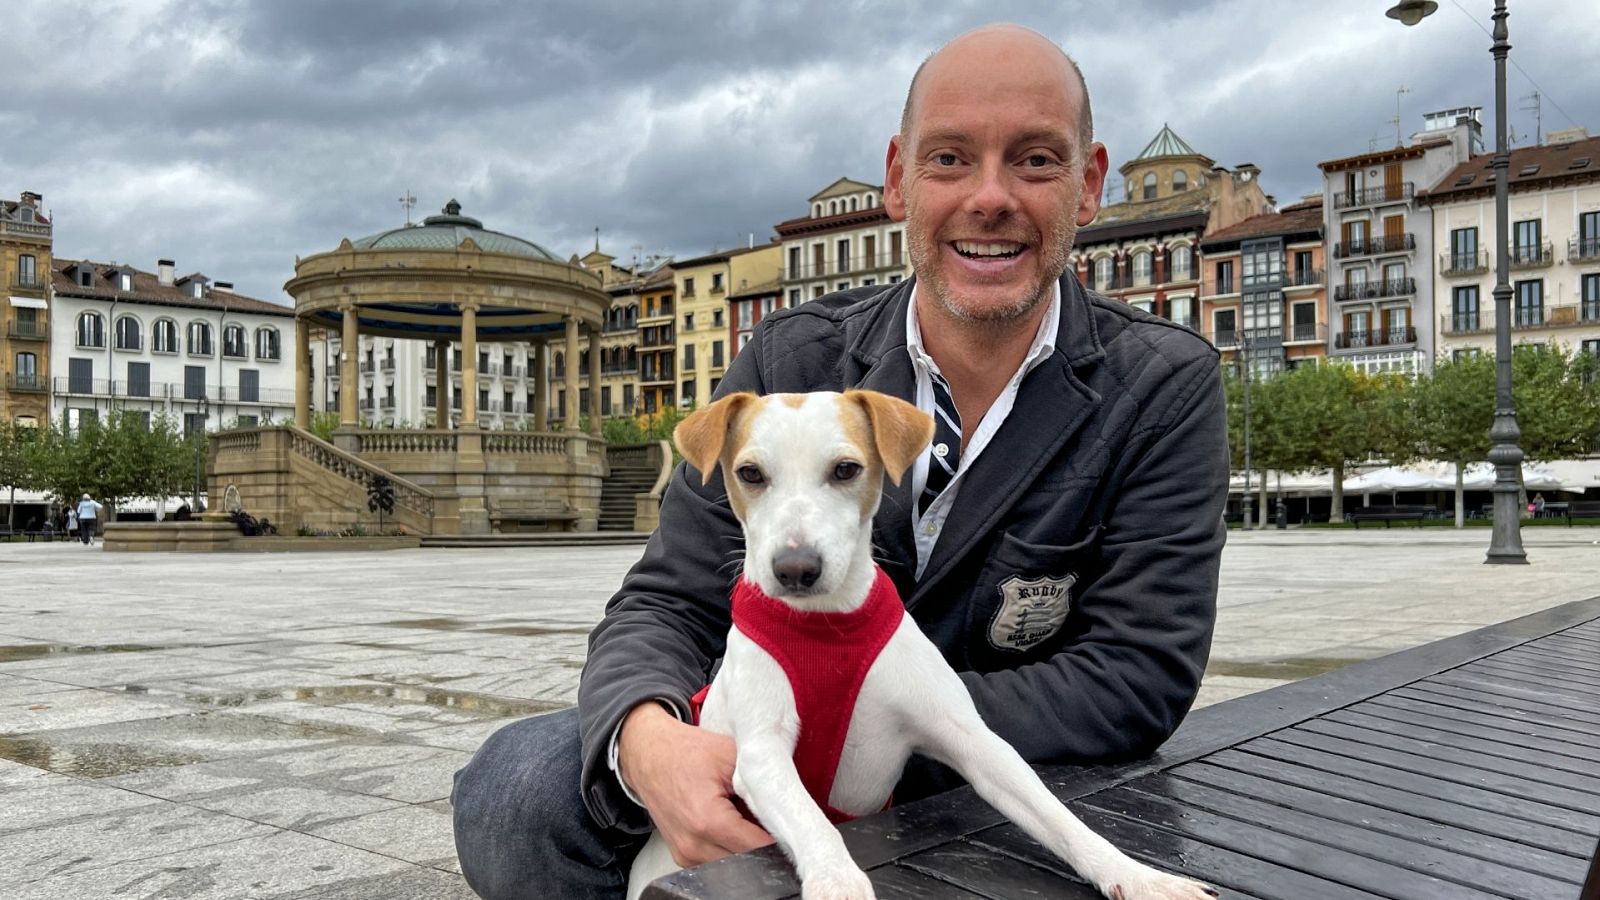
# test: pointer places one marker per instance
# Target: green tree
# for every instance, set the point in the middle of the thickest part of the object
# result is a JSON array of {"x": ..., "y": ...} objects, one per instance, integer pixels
[
  {"x": 1453, "y": 409},
  {"x": 1558, "y": 401},
  {"x": 1332, "y": 416},
  {"x": 16, "y": 463}
]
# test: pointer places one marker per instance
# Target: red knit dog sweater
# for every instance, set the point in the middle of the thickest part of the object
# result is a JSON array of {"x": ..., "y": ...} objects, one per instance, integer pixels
[{"x": 826, "y": 657}]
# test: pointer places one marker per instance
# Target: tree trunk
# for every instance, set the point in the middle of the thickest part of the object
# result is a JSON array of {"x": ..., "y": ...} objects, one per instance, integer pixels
[
  {"x": 1461, "y": 498},
  {"x": 11, "y": 510},
  {"x": 1261, "y": 520},
  {"x": 1336, "y": 514}
]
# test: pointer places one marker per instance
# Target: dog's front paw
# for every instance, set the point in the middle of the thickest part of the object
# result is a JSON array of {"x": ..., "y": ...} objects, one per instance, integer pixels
[
  {"x": 1145, "y": 883},
  {"x": 845, "y": 882}
]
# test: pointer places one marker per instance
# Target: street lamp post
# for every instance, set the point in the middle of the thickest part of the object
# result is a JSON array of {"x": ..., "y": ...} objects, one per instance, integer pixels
[
  {"x": 199, "y": 451},
  {"x": 1505, "y": 544}
]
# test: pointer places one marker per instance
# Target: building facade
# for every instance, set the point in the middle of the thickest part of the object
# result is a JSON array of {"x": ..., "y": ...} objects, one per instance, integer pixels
[
  {"x": 1382, "y": 247},
  {"x": 25, "y": 245},
  {"x": 1555, "y": 247},
  {"x": 160, "y": 344},
  {"x": 1265, "y": 302},
  {"x": 1145, "y": 250},
  {"x": 658, "y": 342},
  {"x": 705, "y": 343},
  {"x": 846, "y": 241}
]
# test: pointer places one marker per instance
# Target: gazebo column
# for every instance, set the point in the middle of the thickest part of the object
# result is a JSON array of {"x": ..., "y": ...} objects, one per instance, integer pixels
[
  {"x": 441, "y": 381},
  {"x": 349, "y": 381},
  {"x": 594, "y": 380},
  {"x": 302, "y": 373},
  {"x": 469, "y": 365},
  {"x": 572, "y": 420},
  {"x": 539, "y": 361}
]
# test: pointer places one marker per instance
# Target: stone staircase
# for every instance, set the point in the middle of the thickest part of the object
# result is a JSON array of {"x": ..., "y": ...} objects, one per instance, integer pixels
[{"x": 616, "y": 495}]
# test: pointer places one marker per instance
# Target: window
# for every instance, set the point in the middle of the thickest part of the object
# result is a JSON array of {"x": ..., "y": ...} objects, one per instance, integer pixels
[
  {"x": 1149, "y": 186},
  {"x": 1225, "y": 277},
  {"x": 1141, "y": 267},
  {"x": 1225, "y": 327},
  {"x": 816, "y": 292},
  {"x": 250, "y": 386},
  {"x": 1530, "y": 303},
  {"x": 267, "y": 345},
  {"x": 194, "y": 382},
  {"x": 1356, "y": 328},
  {"x": 687, "y": 394},
  {"x": 27, "y": 273},
  {"x": 794, "y": 262},
  {"x": 1303, "y": 272},
  {"x": 192, "y": 423},
  {"x": 1525, "y": 242},
  {"x": 842, "y": 254},
  {"x": 1588, "y": 235},
  {"x": 746, "y": 313},
  {"x": 1589, "y": 298},
  {"x": 197, "y": 289},
  {"x": 27, "y": 371},
  {"x": 1464, "y": 308},
  {"x": 124, "y": 281},
  {"x": 199, "y": 339},
  {"x": 794, "y": 297},
  {"x": 1180, "y": 180},
  {"x": 138, "y": 379},
  {"x": 627, "y": 398},
  {"x": 430, "y": 396},
  {"x": 717, "y": 318},
  {"x": 91, "y": 330},
  {"x": 1591, "y": 347},
  {"x": 688, "y": 287},
  {"x": 1103, "y": 268},
  {"x": 85, "y": 278},
  {"x": 688, "y": 321},
  {"x": 1397, "y": 325},
  {"x": 1304, "y": 322},
  {"x": 1464, "y": 353},
  {"x": 842, "y": 286},
  {"x": 164, "y": 336},
  {"x": 80, "y": 376},
  {"x": 716, "y": 354},
  {"x": 234, "y": 344},
  {"x": 1182, "y": 264},
  {"x": 128, "y": 336},
  {"x": 1394, "y": 277},
  {"x": 1355, "y": 237},
  {"x": 483, "y": 400},
  {"x": 716, "y": 282}
]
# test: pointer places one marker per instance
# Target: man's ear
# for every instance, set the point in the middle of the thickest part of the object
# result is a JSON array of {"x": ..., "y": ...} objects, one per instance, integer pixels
[
  {"x": 701, "y": 436},
  {"x": 1095, "y": 167},
  {"x": 894, "y": 169},
  {"x": 900, "y": 431}
]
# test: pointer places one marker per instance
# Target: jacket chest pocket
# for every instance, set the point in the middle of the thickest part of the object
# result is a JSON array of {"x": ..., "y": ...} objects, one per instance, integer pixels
[{"x": 1025, "y": 598}]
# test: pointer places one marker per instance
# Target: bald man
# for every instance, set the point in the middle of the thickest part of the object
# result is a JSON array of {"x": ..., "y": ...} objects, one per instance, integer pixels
[{"x": 1059, "y": 542}]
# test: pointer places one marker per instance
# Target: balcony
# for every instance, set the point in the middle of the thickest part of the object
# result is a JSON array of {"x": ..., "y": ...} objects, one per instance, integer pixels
[
  {"x": 1224, "y": 340},
  {"x": 1457, "y": 265},
  {"x": 27, "y": 384},
  {"x": 28, "y": 229},
  {"x": 1303, "y": 278},
  {"x": 29, "y": 331},
  {"x": 1583, "y": 250},
  {"x": 1532, "y": 256},
  {"x": 1380, "y": 337},
  {"x": 1306, "y": 333},
  {"x": 28, "y": 283},
  {"x": 1183, "y": 273},
  {"x": 331, "y": 370},
  {"x": 1372, "y": 290},
  {"x": 1383, "y": 194},
  {"x": 368, "y": 366},
  {"x": 853, "y": 265},
  {"x": 387, "y": 364},
  {"x": 1389, "y": 243},
  {"x": 367, "y": 405}
]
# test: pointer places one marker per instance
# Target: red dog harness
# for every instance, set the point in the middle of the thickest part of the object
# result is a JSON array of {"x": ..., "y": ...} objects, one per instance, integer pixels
[{"x": 826, "y": 657}]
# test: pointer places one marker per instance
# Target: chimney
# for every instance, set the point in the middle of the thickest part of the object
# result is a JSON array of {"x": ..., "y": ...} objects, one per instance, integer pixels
[
  {"x": 29, "y": 198},
  {"x": 1246, "y": 172},
  {"x": 167, "y": 272},
  {"x": 225, "y": 287}
]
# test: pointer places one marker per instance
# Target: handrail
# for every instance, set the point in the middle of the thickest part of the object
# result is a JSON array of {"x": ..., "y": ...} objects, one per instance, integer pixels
[{"x": 408, "y": 494}]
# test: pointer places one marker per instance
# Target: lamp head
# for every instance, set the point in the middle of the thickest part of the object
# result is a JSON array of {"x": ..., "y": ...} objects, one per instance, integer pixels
[{"x": 1410, "y": 12}]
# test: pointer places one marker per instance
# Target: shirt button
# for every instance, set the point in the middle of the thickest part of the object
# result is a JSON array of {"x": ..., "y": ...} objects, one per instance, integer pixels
[
  {"x": 941, "y": 450},
  {"x": 932, "y": 528}
]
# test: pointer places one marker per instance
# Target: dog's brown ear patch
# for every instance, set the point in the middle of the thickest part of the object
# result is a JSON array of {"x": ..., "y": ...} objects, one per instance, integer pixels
[
  {"x": 900, "y": 431},
  {"x": 701, "y": 436}
]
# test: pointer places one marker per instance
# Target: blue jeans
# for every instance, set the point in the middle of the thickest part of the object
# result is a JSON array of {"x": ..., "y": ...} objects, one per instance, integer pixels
[{"x": 521, "y": 828}]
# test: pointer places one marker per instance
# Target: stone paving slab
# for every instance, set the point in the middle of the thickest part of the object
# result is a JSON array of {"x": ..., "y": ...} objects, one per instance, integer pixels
[{"x": 287, "y": 726}]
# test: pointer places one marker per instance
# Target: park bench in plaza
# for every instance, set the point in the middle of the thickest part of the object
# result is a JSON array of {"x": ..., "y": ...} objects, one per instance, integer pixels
[
  {"x": 1389, "y": 514},
  {"x": 1464, "y": 768},
  {"x": 1583, "y": 509},
  {"x": 6, "y": 533}
]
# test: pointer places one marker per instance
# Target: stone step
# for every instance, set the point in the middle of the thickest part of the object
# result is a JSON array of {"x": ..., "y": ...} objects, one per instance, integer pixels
[{"x": 537, "y": 539}]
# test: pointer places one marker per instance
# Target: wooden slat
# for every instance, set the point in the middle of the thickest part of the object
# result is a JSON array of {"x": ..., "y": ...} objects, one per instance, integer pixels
[
  {"x": 1582, "y": 760},
  {"x": 1443, "y": 787},
  {"x": 1268, "y": 842},
  {"x": 1552, "y": 657},
  {"x": 981, "y": 870},
  {"x": 1450, "y": 696},
  {"x": 892, "y": 882},
  {"x": 1544, "y": 666},
  {"x": 1472, "y": 724},
  {"x": 1452, "y": 826},
  {"x": 1586, "y": 696},
  {"x": 1567, "y": 705}
]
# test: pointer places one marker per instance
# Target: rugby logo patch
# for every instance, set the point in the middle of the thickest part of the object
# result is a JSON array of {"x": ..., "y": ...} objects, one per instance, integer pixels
[{"x": 1031, "y": 610}]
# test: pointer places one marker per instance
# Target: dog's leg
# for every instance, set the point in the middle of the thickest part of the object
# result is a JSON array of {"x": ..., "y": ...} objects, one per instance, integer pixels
[{"x": 955, "y": 735}]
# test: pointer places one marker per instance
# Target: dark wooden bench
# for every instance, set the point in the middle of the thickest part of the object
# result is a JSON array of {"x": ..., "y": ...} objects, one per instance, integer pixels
[
  {"x": 7, "y": 533},
  {"x": 1465, "y": 768},
  {"x": 1583, "y": 509},
  {"x": 1391, "y": 514}
]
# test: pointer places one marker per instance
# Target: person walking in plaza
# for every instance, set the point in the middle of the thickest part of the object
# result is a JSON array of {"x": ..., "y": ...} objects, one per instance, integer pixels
[
  {"x": 72, "y": 524},
  {"x": 1087, "y": 454},
  {"x": 88, "y": 514}
]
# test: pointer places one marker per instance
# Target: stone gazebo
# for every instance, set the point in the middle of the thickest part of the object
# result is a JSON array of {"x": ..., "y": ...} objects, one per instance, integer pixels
[{"x": 448, "y": 279}]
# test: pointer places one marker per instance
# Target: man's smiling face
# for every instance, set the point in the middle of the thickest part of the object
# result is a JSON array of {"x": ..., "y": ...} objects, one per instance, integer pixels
[{"x": 991, "y": 174}]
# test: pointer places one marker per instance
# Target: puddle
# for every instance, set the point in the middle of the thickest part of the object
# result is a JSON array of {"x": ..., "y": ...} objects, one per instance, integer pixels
[
  {"x": 20, "y": 652},
  {"x": 1287, "y": 669},
  {"x": 534, "y": 630},
  {"x": 440, "y": 624},
  {"x": 93, "y": 760},
  {"x": 398, "y": 695}
]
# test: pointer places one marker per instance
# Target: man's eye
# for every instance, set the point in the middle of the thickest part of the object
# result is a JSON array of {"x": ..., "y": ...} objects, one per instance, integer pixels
[
  {"x": 1037, "y": 161},
  {"x": 846, "y": 470},
  {"x": 751, "y": 475},
  {"x": 945, "y": 159}
]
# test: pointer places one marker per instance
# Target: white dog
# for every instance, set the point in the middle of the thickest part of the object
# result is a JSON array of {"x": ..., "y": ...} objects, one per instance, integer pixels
[{"x": 804, "y": 474}]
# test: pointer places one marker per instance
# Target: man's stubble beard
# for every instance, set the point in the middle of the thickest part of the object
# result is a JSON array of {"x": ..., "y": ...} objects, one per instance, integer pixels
[{"x": 923, "y": 248}]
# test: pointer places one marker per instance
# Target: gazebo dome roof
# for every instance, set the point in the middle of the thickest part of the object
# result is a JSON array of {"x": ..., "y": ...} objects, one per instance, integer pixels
[{"x": 446, "y": 232}]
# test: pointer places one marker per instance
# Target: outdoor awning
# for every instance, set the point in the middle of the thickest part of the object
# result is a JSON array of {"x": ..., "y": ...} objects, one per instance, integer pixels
[{"x": 29, "y": 302}]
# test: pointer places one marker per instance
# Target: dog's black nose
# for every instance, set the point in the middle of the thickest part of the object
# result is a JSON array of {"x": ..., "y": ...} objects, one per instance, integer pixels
[{"x": 797, "y": 569}]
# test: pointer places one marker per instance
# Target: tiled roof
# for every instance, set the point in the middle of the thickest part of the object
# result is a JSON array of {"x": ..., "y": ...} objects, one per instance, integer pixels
[
  {"x": 758, "y": 290},
  {"x": 8, "y": 208},
  {"x": 809, "y": 225},
  {"x": 1166, "y": 143},
  {"x": 1531, "y": 169},
  {"x": 716, "y": 256},
  {"x": 1301, "y": 219},
  {"x": 147, "y": 288},
  {"x": 1393, "y": 154}
]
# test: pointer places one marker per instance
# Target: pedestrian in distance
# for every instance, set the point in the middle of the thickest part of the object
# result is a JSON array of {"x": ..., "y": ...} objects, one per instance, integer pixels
[
  {"x": 88, "y": 515},
  {"x": 72, "y": 524}
]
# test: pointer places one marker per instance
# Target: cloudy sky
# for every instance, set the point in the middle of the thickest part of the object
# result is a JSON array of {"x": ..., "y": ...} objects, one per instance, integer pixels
[{"x": 233, "y": 135}]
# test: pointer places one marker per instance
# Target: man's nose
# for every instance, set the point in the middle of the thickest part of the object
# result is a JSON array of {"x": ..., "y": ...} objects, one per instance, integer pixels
[
  {"x": 992, "y": 195},
  {"x": 797, "y": 568}
]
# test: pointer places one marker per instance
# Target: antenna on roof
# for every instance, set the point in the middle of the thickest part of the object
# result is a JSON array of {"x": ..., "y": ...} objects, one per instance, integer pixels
[
  {"x": 1402, "y": 89},
  {"x": 1538, "y": 116},
  {"x": 597, "y": 239},
  {"x": 408, "y": 201}
]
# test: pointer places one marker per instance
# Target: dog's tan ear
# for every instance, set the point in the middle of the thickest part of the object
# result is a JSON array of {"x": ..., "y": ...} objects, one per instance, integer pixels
[
  {"x": 701, "y": 436},
  {"x": 899, "y": 429}
]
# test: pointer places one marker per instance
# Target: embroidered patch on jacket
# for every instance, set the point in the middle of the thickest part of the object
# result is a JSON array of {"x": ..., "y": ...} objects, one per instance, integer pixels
[{"x": 1031, "y": 610}]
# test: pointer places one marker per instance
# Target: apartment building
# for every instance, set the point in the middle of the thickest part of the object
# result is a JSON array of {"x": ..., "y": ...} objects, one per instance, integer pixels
[
  {"x": 159, "y": 343},
  {"x": 1265, "y": 301},
  {"x": 1554, "y": 267},
  {"x": 705, "y": 337},
  {"x": 25, "y": 247},
  {"x": 1382, "y": 243},
  {"x": 847, "y": 240},
  {"x": 658, "y": 343}
]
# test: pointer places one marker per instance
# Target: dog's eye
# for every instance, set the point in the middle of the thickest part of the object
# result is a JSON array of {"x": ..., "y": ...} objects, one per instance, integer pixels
[
  {"x": 846, "y": 470},
  {"x": 750, "y": 475}
]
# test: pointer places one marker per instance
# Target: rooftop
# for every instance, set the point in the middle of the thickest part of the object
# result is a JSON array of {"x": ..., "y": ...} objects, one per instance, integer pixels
[
  {"x": 147, "y": 288},
  {"x": 446, "y": 231},
  {"x": 1532, "y": 168},
  {"x": 1301, "y": 218},
  {"x": 1166, "y": 143}
]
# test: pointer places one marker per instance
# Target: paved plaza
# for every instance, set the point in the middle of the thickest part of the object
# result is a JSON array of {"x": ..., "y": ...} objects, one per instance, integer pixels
[{"x": 287, "y": 725}]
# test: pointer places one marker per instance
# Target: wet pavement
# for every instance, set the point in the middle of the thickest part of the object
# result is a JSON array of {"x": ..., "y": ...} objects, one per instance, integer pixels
[{"x": 286, "y": 726}]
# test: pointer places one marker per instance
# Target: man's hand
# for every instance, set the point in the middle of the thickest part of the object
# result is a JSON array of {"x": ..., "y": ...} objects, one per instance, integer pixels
[{"x": 684, "y": 775}]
